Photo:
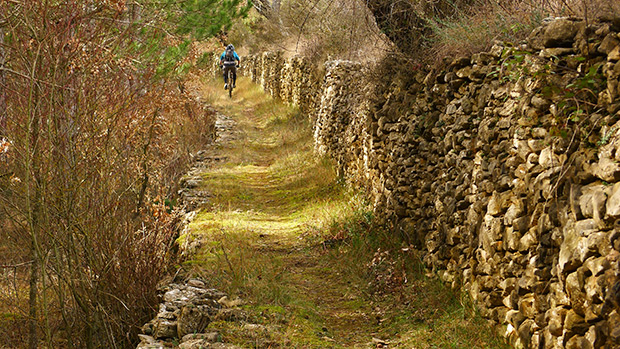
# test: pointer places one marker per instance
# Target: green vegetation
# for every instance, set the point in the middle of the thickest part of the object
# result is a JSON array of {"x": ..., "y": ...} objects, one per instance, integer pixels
[
  {"x": 304, "y": 254},
  {"x": 573, "y": 99}
]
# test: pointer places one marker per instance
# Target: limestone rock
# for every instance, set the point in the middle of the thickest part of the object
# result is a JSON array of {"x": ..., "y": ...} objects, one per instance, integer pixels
[
  {"x": 575, "y": 324},
  {"x": 555, "y": 319},
  {"x": 526, "y": 329},
  {"x": 529, "y": 240},
  {"x": 597, "y": 266},
  {"x": 578, "y": 342},
  {"x": 527, "y": 305},
  {"x": 613, "y": 203},
  {"x": 609, "y": 43},
  {"x": 614, "y": 327},
  {"x": 607, "y": 169},
  {"x": 165, "y": 329},
  {"x": 592, "y": 202},
  {"x": 515, "y": 318},
  {"x": 210, "y": 337},
  {"x": 548, "y": 158},
  {"x": 193, "y": 319},
  {"x": 491, "y": 232},
  {"x": 574, "y": 249},
  {"x": 560, "y": 33},
  {"x": 148, "y": 342},
  {"x": 614, "y": 54},
  {"x": 594, "y": 289},
  {"x": 499, "y": 203},
  {"x": 575, "y": 289},
  {"x": 515, "y": 210}
]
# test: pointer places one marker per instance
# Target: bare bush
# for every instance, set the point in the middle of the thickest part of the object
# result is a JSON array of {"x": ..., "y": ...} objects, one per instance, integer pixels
[
  {"x": 429, "y": 31},
  {"x": 318, "y": 29},
  {"x": 95, "y": 127},
  {"x": 475, "y": 27}
]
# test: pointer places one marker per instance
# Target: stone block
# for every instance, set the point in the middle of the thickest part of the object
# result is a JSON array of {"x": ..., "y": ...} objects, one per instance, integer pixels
[
  {"x": 529, "y": 240},
  {"x": 164, "y": 328},
  {"x": 148, "y": 342},
  {"x": 575, "y": 289},
  {"x": 521, "y": 224},
  {"x": 557, "y": 296},
  {"x": 613, "y": 322},
  {"x": 193, "y": 319},
  {"x": 521, "y": 148},
  {"x": 548, "y": 159},
  {"x": 514, "y": 211},
  {"x": 574, "y": 324},
  {"x": 609, "y": 43},
  {"x": 593, "y": 196},
  {"x": 555, "y": 320},
  {"x": 606, "y": 169},
  {"x": 551, "y": 341},
  {"x": 559, "y": 33},
  {"x": 499, "y": 202},
  {"x": 525, "y": 331},
  {"x": 613, "y": 202},
  {"x": 527, "y": 305},
  {"x": 596, "y": 334},
  {"x": 614, "y": 54},
  {"x": 578, "y": 342},
  {"x": 577, "y": 246},
  {"x": 490, "y": 232}
]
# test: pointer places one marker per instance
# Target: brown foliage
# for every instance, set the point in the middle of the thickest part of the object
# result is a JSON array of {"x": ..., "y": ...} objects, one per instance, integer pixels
[
  {"x": 431, "y": 31},
  {"x": 93, "y": 136}
]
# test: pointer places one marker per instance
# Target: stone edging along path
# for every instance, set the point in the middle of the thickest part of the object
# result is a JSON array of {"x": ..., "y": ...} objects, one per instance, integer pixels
[{"x": 187, "y": 308}]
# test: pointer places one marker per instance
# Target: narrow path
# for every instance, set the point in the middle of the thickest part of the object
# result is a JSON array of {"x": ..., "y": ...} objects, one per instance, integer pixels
[{"x": 260, "y": 237}]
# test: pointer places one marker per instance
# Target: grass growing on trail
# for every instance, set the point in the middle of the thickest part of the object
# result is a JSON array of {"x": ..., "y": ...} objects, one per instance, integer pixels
[{"x": 303, "y": 253}]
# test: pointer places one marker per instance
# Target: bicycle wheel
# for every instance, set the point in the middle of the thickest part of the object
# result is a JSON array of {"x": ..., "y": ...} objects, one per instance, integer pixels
[{"x": 230, "y": 84}]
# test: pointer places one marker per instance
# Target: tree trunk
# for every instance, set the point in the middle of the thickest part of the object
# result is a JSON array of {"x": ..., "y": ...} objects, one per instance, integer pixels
[
  {"x": 35, "y": 221},
  {"x": 33, "y": 338},
  {"x": 33, "y": 197},
  {"x": 2, "y": 84}
]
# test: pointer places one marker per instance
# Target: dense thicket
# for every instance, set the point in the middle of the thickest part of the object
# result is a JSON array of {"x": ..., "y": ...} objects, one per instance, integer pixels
[{"x": 94, "y": 122}]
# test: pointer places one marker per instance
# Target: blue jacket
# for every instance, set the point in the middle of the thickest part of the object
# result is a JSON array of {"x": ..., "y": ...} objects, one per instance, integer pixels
[{"x": 235, "y": 55}]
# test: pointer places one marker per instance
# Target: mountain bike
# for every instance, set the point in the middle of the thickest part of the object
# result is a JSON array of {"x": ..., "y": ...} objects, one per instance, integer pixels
[{"x": 229, "y": 78}]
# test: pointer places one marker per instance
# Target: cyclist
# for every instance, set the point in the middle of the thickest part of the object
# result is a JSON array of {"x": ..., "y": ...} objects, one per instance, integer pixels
[{"x": 229, "y": 60}]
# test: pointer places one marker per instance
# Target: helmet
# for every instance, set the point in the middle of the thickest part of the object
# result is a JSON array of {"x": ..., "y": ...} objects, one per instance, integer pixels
[{"x": 230, "y": 46}]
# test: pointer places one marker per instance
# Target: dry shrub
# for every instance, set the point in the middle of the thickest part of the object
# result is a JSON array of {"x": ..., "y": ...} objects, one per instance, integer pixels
[
  {"x": 318, "y": 29},
  {"x": 476, "y": 26},
  {"x": 190, "y": 125},
  {"x": 590, "y": 10},
  {"x": 479, "y": 27},
  {"x": 421, "y": 31},
  {"x": 95, "y": 130}
]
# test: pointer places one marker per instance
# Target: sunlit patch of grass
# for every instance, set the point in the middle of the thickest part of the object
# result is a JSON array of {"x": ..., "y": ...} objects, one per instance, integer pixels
[
  {"x": 412, "y": 309},
  {"x": 283, "y": 234}
]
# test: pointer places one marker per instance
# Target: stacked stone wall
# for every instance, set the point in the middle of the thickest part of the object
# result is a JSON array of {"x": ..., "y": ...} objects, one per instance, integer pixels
[{"x": 503, "y": 169}]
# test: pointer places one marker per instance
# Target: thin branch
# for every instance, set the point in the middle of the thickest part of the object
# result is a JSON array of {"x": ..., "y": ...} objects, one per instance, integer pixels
[
  {"x": 12, "y": 266},
  {"x": 34, "y": 79}
]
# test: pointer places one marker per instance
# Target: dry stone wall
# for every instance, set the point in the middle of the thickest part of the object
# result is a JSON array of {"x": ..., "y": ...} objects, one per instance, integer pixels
[{"x": 504, "y": 169}]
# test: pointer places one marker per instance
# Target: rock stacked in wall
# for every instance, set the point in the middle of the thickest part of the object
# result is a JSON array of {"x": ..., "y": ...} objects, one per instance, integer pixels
[{"x": 504, "y": 169}]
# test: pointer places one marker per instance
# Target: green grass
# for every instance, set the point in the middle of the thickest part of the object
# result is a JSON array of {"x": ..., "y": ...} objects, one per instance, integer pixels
[{"x": 284, "y": 235}]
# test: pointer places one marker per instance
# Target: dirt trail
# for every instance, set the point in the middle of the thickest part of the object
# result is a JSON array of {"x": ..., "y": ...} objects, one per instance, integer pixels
[{"x": 259, "y": 235}]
